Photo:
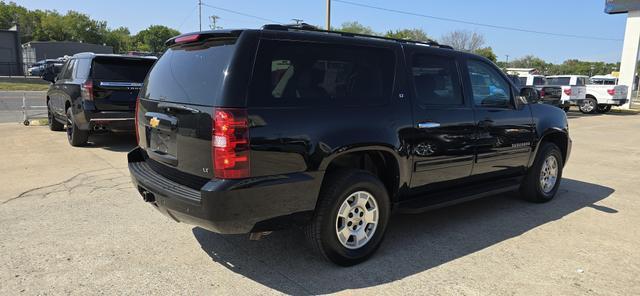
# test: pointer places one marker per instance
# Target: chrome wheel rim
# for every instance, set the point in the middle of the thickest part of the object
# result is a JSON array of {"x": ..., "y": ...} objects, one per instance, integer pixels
[
  {"x": 588, "y": 105},
  {"x": 549, "y": 174},
  {"x": 357, "y": 220}
]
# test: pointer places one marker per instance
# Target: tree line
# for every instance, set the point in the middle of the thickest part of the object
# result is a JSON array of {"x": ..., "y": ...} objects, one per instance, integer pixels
[{"x": 50, "y": 25}]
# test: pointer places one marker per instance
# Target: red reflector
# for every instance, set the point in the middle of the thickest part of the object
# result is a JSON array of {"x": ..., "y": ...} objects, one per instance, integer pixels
[
  {"x": 136, "y": 121},
  {"x": 188, "y": 38},
  {"x": 567, "y": 91},
  {"x": 230, "y": 143},
  {"x": 542, "y": 93},
  {"x": 611, "y": 91}
]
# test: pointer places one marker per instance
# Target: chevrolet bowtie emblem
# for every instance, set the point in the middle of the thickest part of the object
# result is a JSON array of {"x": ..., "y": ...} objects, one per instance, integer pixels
[{"x": 154, "y": 122}]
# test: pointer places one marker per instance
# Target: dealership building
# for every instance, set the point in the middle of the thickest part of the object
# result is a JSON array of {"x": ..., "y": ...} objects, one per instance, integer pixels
[{"x": 631, "y": 45}]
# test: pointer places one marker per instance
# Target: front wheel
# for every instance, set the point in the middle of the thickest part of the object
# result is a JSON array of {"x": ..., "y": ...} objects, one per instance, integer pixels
[
  {"x": 588, "y": 106},
  {"x": 351, "y": 217},
  {"x": 543, "y": 179}
]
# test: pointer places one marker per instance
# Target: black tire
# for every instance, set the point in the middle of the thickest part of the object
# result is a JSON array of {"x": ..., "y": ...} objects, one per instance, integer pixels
[
  {"x": 322, "y": 232},
  {"x": 531, "y": 188},
  {"x": 604, "y": 108},
  {"x": 566, "y": 109},
  {"x": 588, "y": 105},
  {"x": 54, "y": 125},
  {"x": 76, "y": 136}
]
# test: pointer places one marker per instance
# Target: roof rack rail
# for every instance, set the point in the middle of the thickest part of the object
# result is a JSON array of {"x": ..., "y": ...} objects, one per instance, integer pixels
[{"x": 311, "y": 28}]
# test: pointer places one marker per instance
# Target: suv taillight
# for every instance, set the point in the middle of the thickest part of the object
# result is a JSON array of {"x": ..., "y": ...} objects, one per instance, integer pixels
[
  {"x": 135, "y": 115},
  {"x": 86, "y": 90},
  {"x": 611, "y": 91},
  {"x": 542, "y": 93},
  {"x": 567, "y": 91},
  {"x": 230, "y": 143}
]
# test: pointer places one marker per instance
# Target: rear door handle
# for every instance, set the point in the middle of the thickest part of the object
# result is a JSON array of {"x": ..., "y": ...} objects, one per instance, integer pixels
[{"x": 428, "y": 125}]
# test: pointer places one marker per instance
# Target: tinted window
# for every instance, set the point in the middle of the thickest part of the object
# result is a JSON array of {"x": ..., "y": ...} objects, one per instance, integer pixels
[
  {"x": 558, "y": 81},
  {"x": 82, "y": 68},
  {"x": 191, "y": 73},
  {"x": 120, "y": 69},
  {"x": 489, "y": 88},
  {"x": 581, "y": 81},
  {"x": 538, "y": 81},
  {"x": 436, "y": 80},
  {"x": 66, "y": 70},
  {"x": 298, "y": 74}
]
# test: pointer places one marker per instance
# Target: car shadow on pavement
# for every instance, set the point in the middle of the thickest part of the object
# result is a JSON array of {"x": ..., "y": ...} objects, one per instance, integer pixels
[
  {"x": 414, "y": 243},
  {"x": 118, "y": 142}
]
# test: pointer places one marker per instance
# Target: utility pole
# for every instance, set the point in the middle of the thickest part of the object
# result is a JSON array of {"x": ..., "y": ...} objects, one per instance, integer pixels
[
  {"x": 214, "y": 21},
  {"x": 507, "y": 60},
  {"x": 328, "y": 15},
  {"x": 200, "y": 13}
]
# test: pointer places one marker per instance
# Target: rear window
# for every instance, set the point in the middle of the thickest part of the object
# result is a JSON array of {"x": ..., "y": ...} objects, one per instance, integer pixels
[
  {"x": 538, "y": 81},
  {"x": 120, "y": 69},
  {"x": 558, "y": 80},
  {"x": 303, "y": 74},
  {"x": 191, "y": 73}
]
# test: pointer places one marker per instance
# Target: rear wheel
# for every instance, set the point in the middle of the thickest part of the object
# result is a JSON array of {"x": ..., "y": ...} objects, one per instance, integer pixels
[
  {"x": 351, "y": 217},
  {"x": 604, "y": 108},
  {"x": 54, "y": 125},
  {"x": 76, "y": 136},
  {"x": 543, "y": 179},
  {"x": 588, "y": 106}
]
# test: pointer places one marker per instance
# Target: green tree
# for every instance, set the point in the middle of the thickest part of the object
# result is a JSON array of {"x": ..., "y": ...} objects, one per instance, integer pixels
[
  {"x": 120, "y": 38},
  {"x": 463, "y": 40},
  {"x": 355, "y": 27},
  {"x": 153, "y": 38},
  {"x": 410, "y": 34},
  {"x": 487, "y": 52}
]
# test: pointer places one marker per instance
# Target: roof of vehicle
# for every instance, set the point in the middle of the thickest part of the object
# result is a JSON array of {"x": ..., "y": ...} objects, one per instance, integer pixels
[
  {"x": 559, "y": 76},
  {"x": 306, "y": 28},
  {"x": 608, "y": 76},
  {"x": 93, "y": 55}
]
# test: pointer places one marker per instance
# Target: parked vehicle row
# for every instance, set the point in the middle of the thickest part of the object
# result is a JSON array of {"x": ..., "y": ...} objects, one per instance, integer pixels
[
  {"x": 251, "y": 131},
  {"x": 39, "y": 67},
  {"x": 592, "y": 95}
]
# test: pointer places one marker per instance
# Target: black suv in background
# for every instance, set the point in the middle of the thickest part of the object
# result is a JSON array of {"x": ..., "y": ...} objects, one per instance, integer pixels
[
  {"x": 95, "y": 92},
  {"x": 249, "y": 131}
]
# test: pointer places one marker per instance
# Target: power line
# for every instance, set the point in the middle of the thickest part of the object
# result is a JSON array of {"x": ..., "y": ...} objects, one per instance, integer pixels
[
  {"x": 187, "y": 17},
  {"x": 474, "y": 23},
  {"x": 241, "y": 13}
]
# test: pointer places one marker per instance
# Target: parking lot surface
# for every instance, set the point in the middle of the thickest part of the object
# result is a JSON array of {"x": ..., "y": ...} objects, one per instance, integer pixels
[{"x": 71, "y": 223}]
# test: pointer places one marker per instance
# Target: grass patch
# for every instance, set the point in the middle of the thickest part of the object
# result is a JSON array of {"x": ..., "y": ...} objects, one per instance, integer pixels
[{"x": 23, "y": 86}]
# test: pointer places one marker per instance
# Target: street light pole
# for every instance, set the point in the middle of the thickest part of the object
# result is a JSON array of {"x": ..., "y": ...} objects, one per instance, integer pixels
[{"x": 328, "y": 14}]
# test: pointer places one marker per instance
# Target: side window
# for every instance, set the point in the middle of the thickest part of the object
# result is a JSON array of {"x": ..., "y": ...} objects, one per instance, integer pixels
[
  {"x": 488, "y": 87},
  {"x": 64, "y": 71},
  {"x": 436, "y": 80},
  {"x": 303, "y": 74},
  {"x": 82, "y": 68}
]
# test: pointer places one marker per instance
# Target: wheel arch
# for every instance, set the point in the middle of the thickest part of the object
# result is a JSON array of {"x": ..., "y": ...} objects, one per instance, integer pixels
[{"x": 557, "y": 136}]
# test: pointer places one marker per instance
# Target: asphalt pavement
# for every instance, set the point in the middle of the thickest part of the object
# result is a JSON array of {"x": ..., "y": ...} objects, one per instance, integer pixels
[{"x": 11, "y": 105}]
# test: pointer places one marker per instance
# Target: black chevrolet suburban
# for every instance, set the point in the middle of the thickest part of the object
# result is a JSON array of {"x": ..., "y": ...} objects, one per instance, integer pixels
[
  {"x": 250, "y": 131},
  {"x": 95, "y": 93}
]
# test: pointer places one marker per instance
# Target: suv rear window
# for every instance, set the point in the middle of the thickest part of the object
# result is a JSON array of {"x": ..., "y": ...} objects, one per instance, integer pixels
[
  {"x": 302, "y": 74},
  {"x": 120, "y": 69},
  {"x": 192, "y": 73}
]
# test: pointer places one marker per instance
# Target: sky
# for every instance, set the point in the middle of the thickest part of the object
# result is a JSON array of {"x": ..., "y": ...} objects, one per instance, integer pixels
[{"x": 574, "y": 17}]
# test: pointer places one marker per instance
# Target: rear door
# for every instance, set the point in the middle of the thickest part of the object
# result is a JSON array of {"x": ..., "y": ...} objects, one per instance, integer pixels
[
  {"x": 443, "y": 132},
  {"x": 176, "y": 107},
  {"x": 117, "y": 81}
]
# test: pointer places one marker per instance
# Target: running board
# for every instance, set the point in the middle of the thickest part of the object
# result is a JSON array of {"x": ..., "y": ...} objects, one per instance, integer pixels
[{"x": 449, "y": 198}]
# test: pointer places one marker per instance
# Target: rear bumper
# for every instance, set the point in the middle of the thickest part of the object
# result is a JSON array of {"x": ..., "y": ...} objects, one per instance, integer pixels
[
  {"x": 230, "y": 206},
  {"x": 619, "y": 102},
  {"x": 88, "y": 117}
]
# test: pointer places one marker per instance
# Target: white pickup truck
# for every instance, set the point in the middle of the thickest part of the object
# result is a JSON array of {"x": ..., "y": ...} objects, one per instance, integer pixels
[
  {"x": 563, "y": 90},
  {"x": 603, "y": 92}
]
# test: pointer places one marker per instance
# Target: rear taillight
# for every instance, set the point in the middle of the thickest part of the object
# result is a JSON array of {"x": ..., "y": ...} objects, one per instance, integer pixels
[
  {"x": 542, "y": 93},
  {"x": 230, "y": 143},
  {"x": 135, "y": 115},
  {"x": 86, "y": 90},
  {"x": 611, "y": 91},
  {"x": 567, "y": 91}
]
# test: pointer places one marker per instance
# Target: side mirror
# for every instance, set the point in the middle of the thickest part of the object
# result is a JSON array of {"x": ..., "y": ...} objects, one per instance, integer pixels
[{"x": 530, "y": 94}]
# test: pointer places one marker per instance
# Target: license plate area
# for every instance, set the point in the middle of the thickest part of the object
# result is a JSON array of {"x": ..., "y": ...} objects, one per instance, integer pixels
[{"x": 163, "y": 146}]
